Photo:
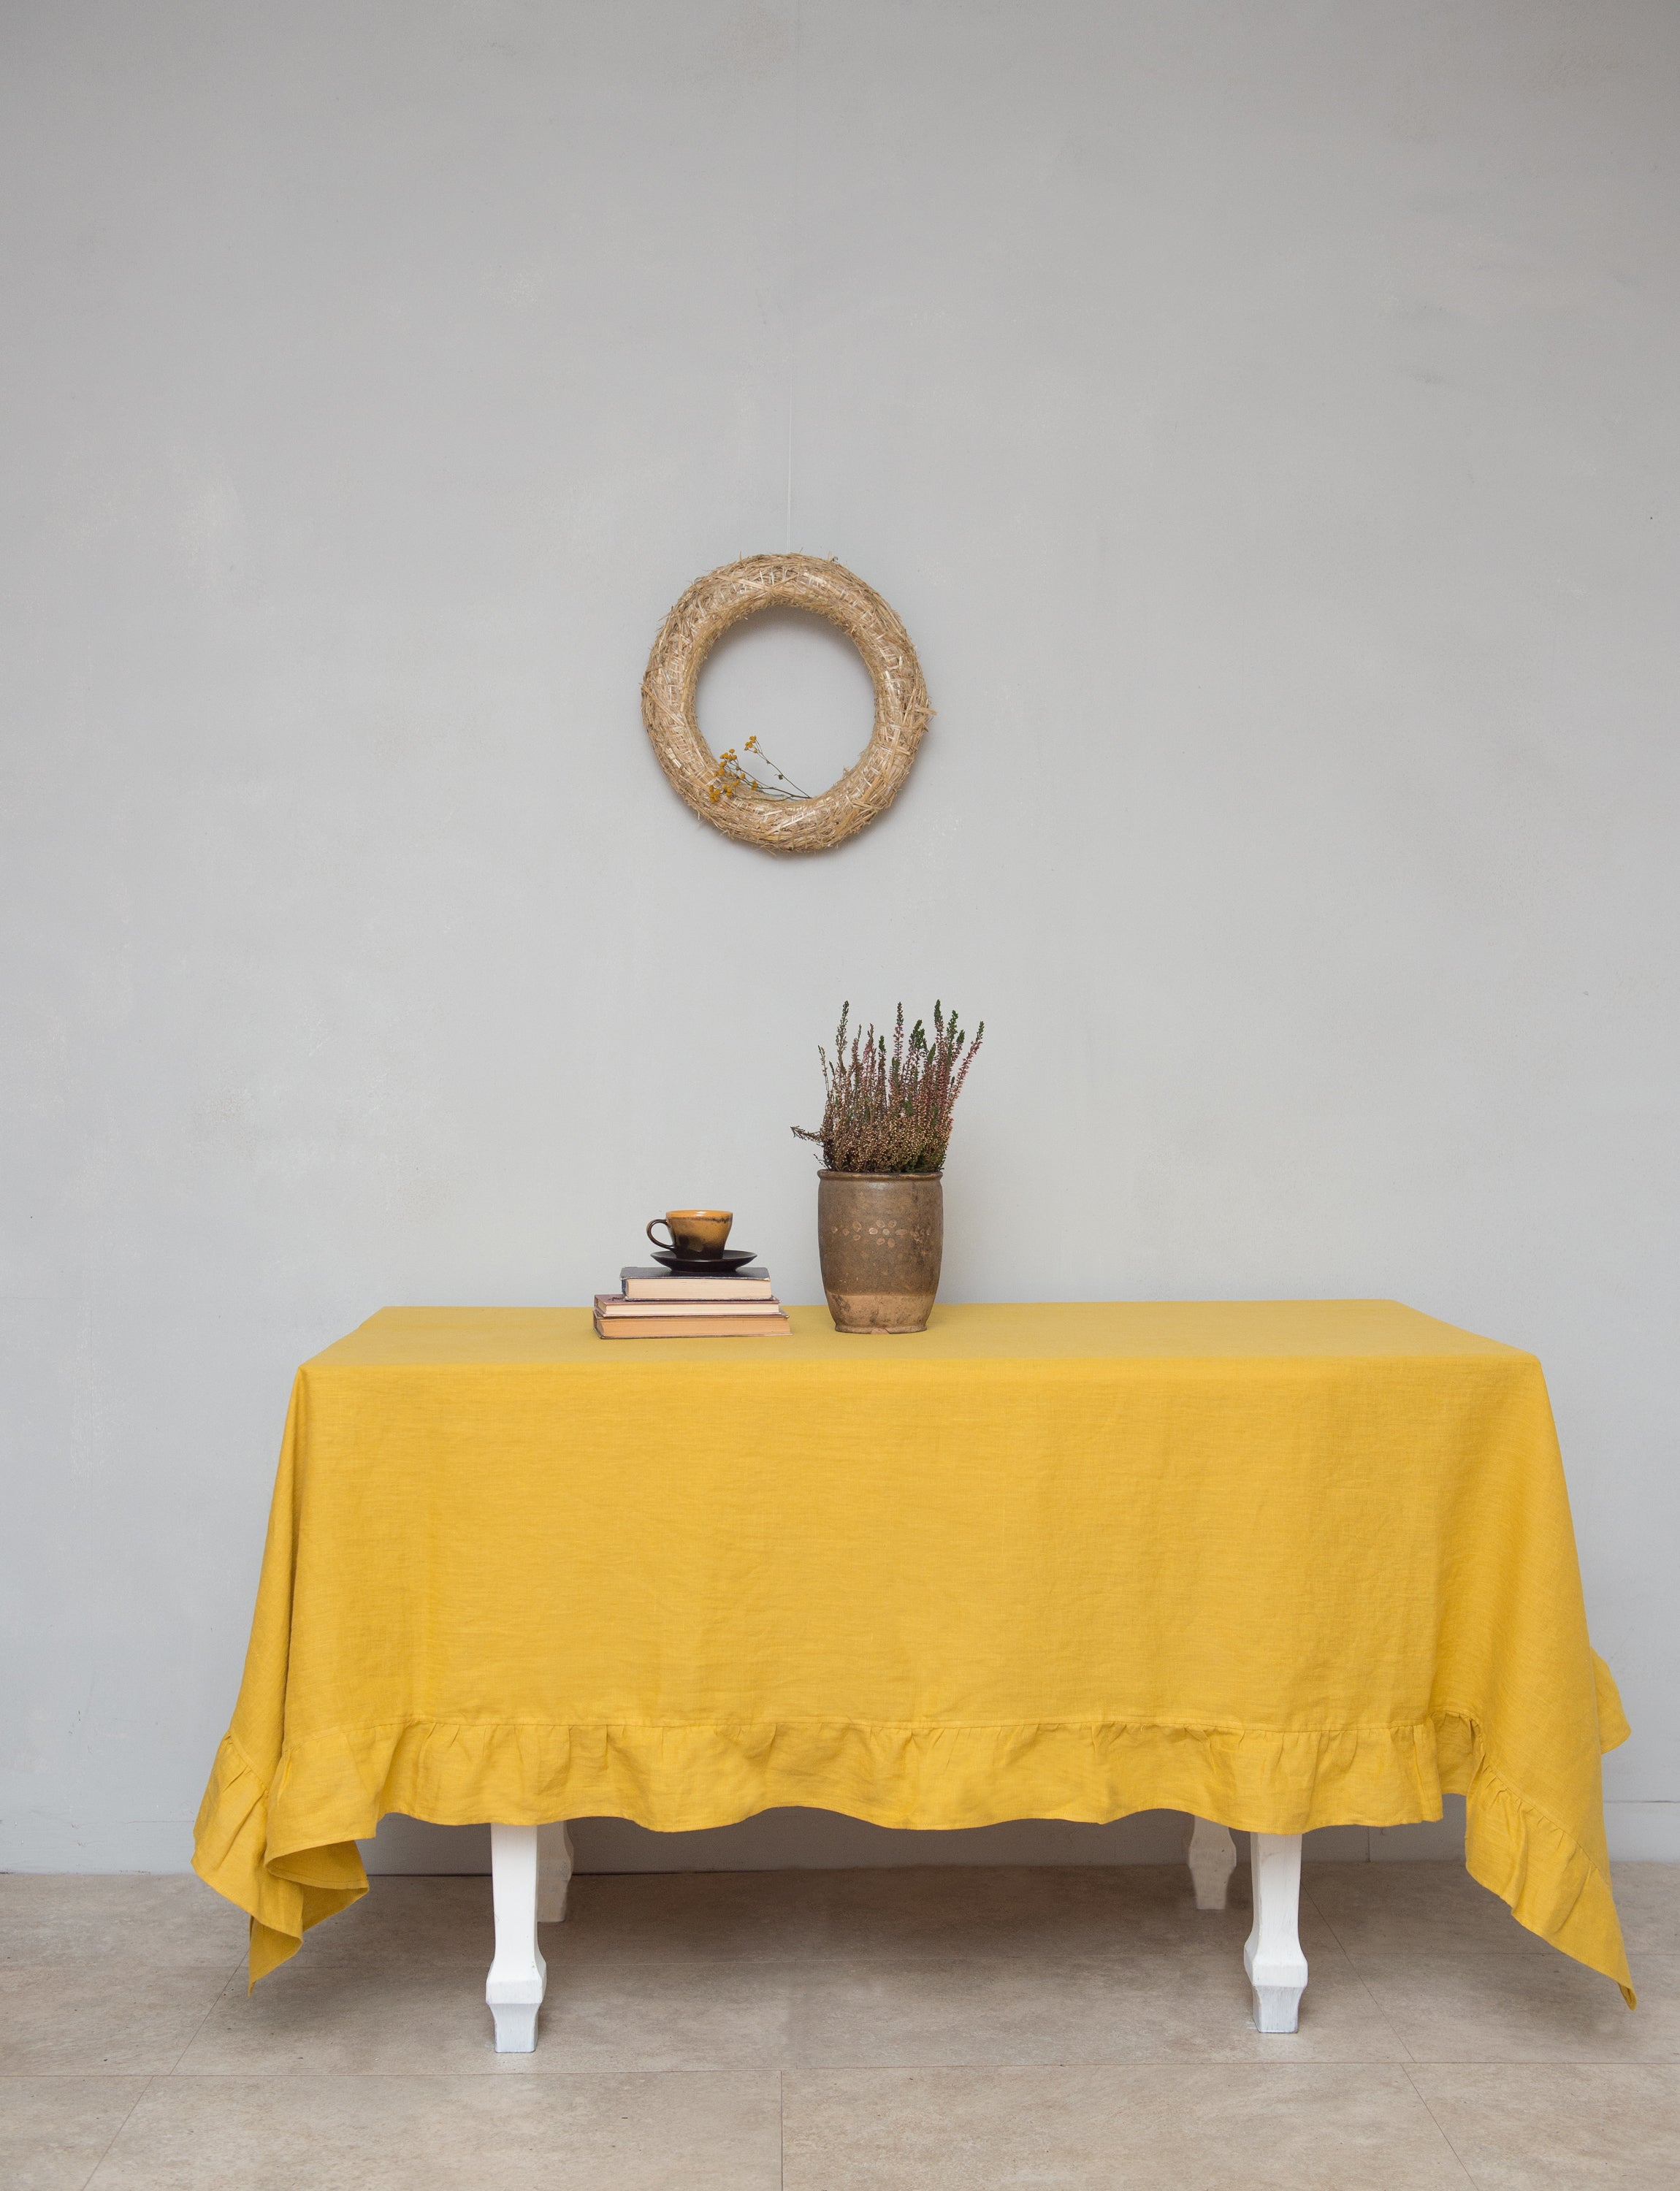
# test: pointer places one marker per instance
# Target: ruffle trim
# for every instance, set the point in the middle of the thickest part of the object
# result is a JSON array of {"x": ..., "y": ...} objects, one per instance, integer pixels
[
  {"x": 1551, "y": 1884},
  {"x": 287, "y": 1854}
]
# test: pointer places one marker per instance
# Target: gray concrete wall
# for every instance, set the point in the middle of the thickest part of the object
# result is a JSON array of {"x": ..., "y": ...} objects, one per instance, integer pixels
[{"x": 1262, "y": 416}]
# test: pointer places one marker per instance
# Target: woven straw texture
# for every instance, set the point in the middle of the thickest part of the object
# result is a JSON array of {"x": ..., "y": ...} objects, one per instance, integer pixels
[{"x": 705, "y": 612}]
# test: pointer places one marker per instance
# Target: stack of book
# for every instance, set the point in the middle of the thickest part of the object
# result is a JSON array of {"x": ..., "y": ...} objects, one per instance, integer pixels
[{"x": 656, "y": 1305}]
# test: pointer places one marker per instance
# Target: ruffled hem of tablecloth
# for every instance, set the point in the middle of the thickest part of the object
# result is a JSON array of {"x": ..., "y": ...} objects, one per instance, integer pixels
[
  {"x": 1551, "y": 1883},
  {"x": 286, "y": 1853}
]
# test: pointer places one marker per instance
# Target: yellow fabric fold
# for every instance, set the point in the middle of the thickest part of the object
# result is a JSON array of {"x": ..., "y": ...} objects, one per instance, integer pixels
[
  {"x": 1280, "y": 1564},
  {"x": 1613, "y": 1727}
]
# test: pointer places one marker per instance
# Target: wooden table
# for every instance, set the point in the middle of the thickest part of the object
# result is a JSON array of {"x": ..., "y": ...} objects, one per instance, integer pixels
[{"x": 530, "y": 1871}]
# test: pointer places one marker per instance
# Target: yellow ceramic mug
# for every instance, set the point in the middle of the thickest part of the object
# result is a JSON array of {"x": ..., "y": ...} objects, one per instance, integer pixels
[{"x": 696, "y": 1234}]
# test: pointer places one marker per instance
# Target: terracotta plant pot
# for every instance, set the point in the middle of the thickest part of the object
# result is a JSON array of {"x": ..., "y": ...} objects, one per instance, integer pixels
[{"x": 880, "y": 1235}]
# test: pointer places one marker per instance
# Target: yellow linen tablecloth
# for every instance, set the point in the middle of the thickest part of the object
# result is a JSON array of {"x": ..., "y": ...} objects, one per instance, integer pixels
[{"x": 1282, "y": 1564}]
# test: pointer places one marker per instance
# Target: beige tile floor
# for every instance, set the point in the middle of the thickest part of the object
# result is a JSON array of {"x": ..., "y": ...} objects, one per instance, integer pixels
[{"x": 937, "y": 2030}]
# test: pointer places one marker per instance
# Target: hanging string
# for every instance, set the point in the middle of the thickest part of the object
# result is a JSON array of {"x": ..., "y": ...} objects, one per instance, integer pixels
[{"x": 793, "y": 279}]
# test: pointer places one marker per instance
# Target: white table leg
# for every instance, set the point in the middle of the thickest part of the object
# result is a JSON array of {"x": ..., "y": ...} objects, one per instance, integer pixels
[
  {"x": 518, "y": 1975},
  {"x": 1277, "y": 1968},
  {"x": 1213, "y": 1858},
  {"x": 554, "y": 1873}
]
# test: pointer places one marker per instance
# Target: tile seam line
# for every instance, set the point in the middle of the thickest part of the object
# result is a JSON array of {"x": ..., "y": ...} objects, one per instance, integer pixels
[
  {"x": 236, "y": 1973},
  {"x": 1224, "y": 2062},
  {"x": 1407, "y": 2058},
  {"x": 238, "y": 1977},
  {"x": 1440, "y": 2125},
  {"x": 1546, "y": 2061},
  {"x": 253, "y": 2076},
  {"x": 105, "y": 2154}
]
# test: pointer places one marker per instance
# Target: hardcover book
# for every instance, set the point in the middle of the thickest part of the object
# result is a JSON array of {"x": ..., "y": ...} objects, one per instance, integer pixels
[
  {"x": 752, "y": 1284},
  {"x": 689, "y": 1327},
  {"x": 696, "y": 1312}
]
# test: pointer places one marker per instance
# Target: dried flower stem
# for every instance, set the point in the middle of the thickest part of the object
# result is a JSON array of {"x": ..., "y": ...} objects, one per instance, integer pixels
[
  {"x": 891, "y": 1112},
  {"x": 733, "y": 780}
]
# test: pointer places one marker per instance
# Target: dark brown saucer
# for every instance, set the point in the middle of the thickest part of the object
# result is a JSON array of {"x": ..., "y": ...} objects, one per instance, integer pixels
[{"x": 723, "y": 1265}]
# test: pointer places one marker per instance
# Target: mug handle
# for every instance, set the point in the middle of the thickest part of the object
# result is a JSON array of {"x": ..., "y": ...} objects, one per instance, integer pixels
[{"x": 669, "y": 1245}]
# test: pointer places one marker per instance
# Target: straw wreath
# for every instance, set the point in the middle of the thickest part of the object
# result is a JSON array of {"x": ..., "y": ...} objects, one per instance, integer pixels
[{"x": 705, "y": 612}]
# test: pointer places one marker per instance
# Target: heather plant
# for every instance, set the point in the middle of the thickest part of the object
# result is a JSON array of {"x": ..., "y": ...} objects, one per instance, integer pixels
[{"x": 891, "y": 1111}]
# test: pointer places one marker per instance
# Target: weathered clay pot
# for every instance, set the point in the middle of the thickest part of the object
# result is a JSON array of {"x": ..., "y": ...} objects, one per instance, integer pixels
[{"x": 880, "y": 1235}]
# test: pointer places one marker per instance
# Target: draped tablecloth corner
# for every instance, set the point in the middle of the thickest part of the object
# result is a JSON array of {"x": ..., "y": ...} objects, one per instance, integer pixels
[{"x": 1278, "y": 1564}]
